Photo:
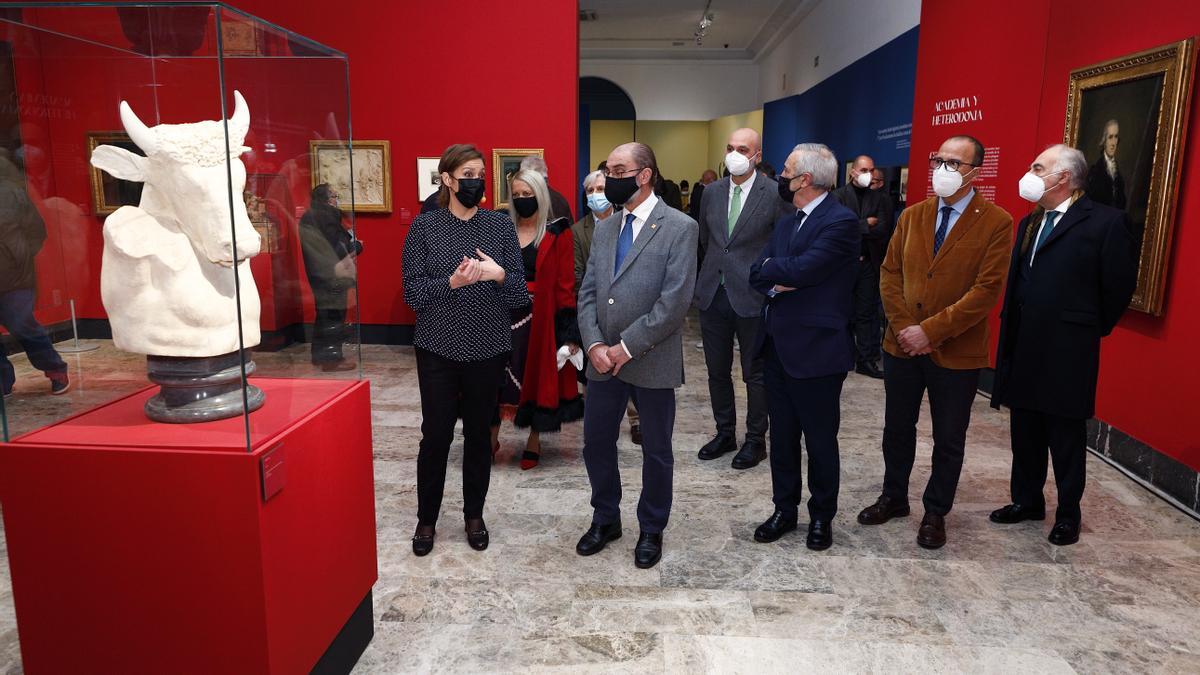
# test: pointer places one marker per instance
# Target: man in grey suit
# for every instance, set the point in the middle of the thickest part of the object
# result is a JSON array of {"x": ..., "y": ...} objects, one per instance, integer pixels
[
  {"x": 737, "y": 217},
  {"x": 635, "y": 295}
]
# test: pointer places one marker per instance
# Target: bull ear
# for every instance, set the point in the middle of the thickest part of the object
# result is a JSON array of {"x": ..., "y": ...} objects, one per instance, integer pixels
[{"x": 120, "y": 163}]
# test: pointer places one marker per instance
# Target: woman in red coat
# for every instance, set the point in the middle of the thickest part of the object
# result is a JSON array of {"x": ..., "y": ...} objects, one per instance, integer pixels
[{"x": 536, "y": 394}]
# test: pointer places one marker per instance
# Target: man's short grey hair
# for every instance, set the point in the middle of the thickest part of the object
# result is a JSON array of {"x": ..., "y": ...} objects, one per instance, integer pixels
[
  {"x": 535, "y": 163},
  {"x": 1070, "y": 159},
  {"x": 590, "y": 180},
  {"x": 817, "y": 160}
]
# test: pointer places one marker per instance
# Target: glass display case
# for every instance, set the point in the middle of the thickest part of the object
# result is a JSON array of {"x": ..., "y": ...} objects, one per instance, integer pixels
[{"x": 177, "y": 187}]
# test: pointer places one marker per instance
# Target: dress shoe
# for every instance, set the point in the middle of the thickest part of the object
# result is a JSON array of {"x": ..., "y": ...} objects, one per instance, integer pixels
[
  {"x": 648, "y": 551},
  {"x": 933, "y": 531},
  {"x": 869, "y": 369},
  {"x": 750, "y": 455},
  {"x": 477, "y": 534},
  {"x": 59, "y": 383},
  {"x": 719, "y": 445},
  {"x": 1015, "y": 513},
  {"x": 884, "y": 509},
  {"x": 775, "y": 527},
  {"x": 597, "y": 537},
  {"x": 820, "y": 535},
  {"x": 1064, "y": 533},
  {"x": 422, "y": 541},
  {"x": 635, "y": 433}
]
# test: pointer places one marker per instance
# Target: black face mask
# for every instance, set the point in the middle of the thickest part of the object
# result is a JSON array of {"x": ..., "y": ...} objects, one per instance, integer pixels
[
  {"x": 620, "y": 190},
  {"x": 470, "y": 191},
  {"x": 786, "y": 193},
  {"x": 525, "y": 206}
]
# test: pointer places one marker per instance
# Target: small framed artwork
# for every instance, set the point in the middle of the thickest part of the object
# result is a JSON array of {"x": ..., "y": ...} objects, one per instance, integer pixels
[
  {"x": 239, "y": 38},
  {"x": 259, "y": 208},
  {"x": 506, "y": 162},
  {"x": 370, "y": 185},
  {"x": 108, "y": 193},
  {"x": 1129, "y": 116},
  {"x": 428, "y": 178}
]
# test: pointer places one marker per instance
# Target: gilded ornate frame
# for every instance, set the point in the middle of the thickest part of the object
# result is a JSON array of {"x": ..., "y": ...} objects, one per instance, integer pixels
[
  {"x": 1176, "y": 62},
  {"x": 498, "y": 186},
  {"x": 317, "y": 147},
  {"x": 100, "y": 205}
]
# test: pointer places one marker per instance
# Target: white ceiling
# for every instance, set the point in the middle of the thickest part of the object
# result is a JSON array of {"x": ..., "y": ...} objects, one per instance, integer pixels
[{"x": 664, "y": 29}]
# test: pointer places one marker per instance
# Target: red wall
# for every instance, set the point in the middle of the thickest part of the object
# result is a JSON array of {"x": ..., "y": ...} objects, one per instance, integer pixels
[
  {"x": 423, "y": 76},
  {"x": 1019, "y": 69}
]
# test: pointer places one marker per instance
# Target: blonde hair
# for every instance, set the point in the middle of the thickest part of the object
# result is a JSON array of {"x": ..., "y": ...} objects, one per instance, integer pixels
[{"x": 538, "y": 184}]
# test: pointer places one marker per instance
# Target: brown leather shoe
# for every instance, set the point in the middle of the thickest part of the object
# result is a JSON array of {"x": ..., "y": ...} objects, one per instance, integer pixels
[
  {"x": 933, "y": 531},
  {"x": 884, "y": 509}
]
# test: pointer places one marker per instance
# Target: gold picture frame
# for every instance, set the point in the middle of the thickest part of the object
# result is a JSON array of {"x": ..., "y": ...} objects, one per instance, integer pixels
[
  {"x": 505, "y": 163},
  {"x": 109, "y": 193},
  {"x": 1129, "y": 117},
  {"x": 330, "y": 162}
]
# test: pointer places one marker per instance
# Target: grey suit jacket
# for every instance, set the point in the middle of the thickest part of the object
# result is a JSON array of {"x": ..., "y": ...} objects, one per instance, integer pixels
[
  {"x": 731, "y": 255},
  {"x": 646, "y": 302}
]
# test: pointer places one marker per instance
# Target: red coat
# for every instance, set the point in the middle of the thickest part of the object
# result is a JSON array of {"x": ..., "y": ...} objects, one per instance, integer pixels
[{"x": 550, "y": 396}]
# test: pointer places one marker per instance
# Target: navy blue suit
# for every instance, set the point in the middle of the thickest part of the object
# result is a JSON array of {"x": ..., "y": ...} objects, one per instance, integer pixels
[{"x": 808, "y": 347}]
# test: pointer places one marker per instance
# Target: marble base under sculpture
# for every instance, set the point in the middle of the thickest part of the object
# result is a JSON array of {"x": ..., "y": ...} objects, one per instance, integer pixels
[{"x": 200, "y": 389}]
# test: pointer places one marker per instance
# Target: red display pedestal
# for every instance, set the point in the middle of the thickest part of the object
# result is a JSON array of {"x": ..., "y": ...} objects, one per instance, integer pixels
[{"x": 138, "y": 547}]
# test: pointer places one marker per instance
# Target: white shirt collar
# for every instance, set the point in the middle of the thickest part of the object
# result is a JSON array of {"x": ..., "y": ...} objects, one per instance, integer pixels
[
  {"x": 811, "y": 206},
  {"x": 1062, "y": 208},
  {"x": 642, "y": 213},
  {"x": 745, "y": 186}
]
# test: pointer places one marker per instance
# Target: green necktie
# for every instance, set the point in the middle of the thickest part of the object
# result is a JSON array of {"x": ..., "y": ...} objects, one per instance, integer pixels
[{"x": 735, "y": 207}]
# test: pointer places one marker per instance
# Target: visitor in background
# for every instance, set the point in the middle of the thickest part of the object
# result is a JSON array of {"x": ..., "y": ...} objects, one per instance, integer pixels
[
  {"x": 559, "y": 206},
  {"x": 708, "y": 177},
  {"x": 330, "y": 252},
  {"x": 463, "y": 276},
  {"x": 534, "y": 392}
]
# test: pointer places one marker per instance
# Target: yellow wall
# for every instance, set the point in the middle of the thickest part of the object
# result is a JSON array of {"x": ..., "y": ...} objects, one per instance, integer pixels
[
  {"x": 684, "y": 149},
  {"x": 719, "y": 130},
  {"x": 606, "y": 135}
]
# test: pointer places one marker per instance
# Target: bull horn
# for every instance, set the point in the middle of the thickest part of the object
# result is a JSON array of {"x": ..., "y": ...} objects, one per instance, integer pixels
[
  {"x": 139, "y": 133},
  {"x": 239, "y": 124}
]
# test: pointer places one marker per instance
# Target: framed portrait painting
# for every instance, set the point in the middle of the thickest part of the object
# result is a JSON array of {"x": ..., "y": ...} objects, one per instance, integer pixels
[
  {"x": 1128, "y": 116},
  {"x": 428, "y": 178},
  {"x": 506, "y": 162},
  {"x": 108, "y": 193},
  {"x": 367, "y": 175}
]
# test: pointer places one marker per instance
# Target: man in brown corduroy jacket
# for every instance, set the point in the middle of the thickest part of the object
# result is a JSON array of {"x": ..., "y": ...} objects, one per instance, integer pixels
[{"x": 943, "y": 273}]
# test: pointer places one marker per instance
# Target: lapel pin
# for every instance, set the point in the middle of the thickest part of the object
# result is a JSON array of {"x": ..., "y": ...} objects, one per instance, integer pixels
[{"x": 653, "y": 225}]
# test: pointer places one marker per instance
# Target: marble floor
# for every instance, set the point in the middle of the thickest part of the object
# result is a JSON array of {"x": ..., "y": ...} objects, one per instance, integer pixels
[{"x": 995, "y": 600}]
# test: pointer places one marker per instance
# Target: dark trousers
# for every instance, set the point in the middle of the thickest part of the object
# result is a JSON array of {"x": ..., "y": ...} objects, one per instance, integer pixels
[
  {"x": 1033, "y": 433},
  {"x": 450, "y": 388},
  {"x": 329, "y": 332},
  {"x": 951, "y": 393},
  {"x": 719, "y": 324},
  {"x": 808, "y": 408},
  {"x": 606, "y": 403},
  {"x": 867, "y": 333},
  {"x": 16, "y": 314}
]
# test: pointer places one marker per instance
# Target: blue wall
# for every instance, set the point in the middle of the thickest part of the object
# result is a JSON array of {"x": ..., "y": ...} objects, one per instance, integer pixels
[{"x": 850, "y": 110}]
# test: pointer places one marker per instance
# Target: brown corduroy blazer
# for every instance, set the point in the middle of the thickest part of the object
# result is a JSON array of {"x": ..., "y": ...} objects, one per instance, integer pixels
[{"x": 949, "y": 295}]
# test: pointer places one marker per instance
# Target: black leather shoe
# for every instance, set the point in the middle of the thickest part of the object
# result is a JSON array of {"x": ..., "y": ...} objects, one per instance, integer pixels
[
  {"x": 775, "y": 527},
  {"x": 477, "y": 534},
  {"x": 718, "y": 446},
  {"x": 820, "y": 535},
  {"x": 884, "y": 509},
  {"x": 869, "y": 369},
  {"x": 648, "y": 551},
  {"x": 422, "y": 541},
  {"x": 1065, "y": 533},
  {"x": 1015, "y": 513},
  {"x": 932, "y": 534},
  {"x": 597, "y": 537},
  {"x": 750, "y": 455}
]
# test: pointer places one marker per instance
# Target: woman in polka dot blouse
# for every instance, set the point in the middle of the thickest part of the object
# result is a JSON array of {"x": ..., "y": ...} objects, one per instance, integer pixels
[{"x": 463, "y": 275}]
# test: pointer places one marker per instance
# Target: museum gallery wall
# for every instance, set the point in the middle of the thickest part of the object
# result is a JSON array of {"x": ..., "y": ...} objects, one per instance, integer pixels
[
  {"x": 1010, "y": 90},
  {"x": 410, "y": 85}
]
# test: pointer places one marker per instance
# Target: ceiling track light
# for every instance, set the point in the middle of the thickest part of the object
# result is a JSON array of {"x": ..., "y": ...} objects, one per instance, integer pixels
[{"x": 706, "y": 22}]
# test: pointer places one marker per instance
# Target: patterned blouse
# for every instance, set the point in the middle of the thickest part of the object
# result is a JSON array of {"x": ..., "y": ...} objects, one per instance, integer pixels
[{"x": 471, "y": 323}]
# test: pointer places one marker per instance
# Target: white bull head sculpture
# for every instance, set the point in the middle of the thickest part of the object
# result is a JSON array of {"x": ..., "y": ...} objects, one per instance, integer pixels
[{"x": 167, "y": 279}]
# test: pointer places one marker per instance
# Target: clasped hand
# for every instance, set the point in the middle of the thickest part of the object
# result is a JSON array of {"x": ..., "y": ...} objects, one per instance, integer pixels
[
  {"x": 473, "y": 270},
  {"x": 914, "y": 341},
  {"x": 605, "y": 358}
]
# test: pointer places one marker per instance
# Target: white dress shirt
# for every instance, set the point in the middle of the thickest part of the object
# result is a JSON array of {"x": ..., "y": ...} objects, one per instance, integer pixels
[
  {"x": 745, "y": 191},
  {"x": 1062, "y": 212}
]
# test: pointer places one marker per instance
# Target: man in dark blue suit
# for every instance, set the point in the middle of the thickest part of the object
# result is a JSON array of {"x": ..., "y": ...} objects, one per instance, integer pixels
[{"x": 808, "y": 272}]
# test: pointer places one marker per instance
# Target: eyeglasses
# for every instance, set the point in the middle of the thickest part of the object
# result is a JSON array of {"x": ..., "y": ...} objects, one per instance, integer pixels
[
  {"x": 936, "y": 163},
  {"x": 623, "y": 174}
]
